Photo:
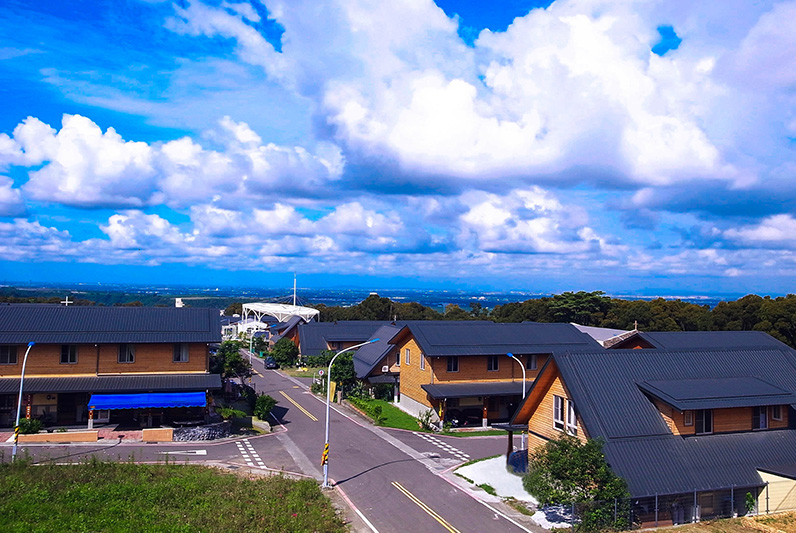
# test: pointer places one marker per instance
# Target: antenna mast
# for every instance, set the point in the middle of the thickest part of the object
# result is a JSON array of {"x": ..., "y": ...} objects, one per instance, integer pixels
[{"x": 294, "y": 288}]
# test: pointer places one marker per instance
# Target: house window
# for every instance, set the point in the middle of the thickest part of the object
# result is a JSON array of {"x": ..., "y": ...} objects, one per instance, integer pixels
[
  {"x": 760, "y": 417},
  {"x": 703, "y": 421},
  {"x": 126, "y": 353},
  {"x": 68, "y": 354},
  {"x": 688, "y": 418},
  {"x": 558, "y": 412},
  {"x": 8, "y": 355},
  {"x": 398, "y": 359},
  {"x": 776, "y": 412},
  {"x": 572, "y": 418},
  {"x": 453, "y": 364},
  {"x": 422, "y": 362},
  {"x": 406, "y": 356},
  {"x": 530, "y": 363},
  {"x": 180, "y": 353},
  {"x": 492, "y": 363}
]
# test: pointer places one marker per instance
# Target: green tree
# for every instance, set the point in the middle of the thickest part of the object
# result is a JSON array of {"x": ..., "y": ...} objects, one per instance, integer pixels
[
  {"x": 285, "y": 352},
  {"x": 229, "y": 362},
  {"x": 343, "y": 372},
  {"x": 587, "y": 308},
  {"x": 235, "y": 308},
  {"x": 568, "y": 471},
  {"x": 454, "y": 312},
  {"x": 263, "y": 406}
]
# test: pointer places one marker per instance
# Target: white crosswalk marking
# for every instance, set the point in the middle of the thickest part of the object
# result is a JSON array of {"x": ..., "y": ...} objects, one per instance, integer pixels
[
  {"x": 249, "y": 454},
  {"x": 442, "y": 445}
]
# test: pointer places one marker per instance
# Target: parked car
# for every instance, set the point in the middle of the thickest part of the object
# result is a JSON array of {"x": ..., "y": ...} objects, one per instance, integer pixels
[{"x": 270, "y": 362}]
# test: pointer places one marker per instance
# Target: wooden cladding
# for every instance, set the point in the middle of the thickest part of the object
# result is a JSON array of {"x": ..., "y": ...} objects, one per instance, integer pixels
[
  {"x": 724, "y": 420},
  {"x": 83, "y": 359}
]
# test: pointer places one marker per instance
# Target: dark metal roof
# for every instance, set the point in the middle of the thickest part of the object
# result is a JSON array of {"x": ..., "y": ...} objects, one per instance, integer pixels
[
  {"x": 367, "y": 357},
  {"x": 671, "y": 465},
  {"x": 133, "y": 383},
  {"x": 384, "y": 378},
  {"x": 487, "y": 338},
  {"x": 20, "y": 324},
  {"x": 475, "y": 388},
  {"x": 685, "y": 394},
  {"x": 313, "y": 336},
  {"x": 697, "y": 340}
]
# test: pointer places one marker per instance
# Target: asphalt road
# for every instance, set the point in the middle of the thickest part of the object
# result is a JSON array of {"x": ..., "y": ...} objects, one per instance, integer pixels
[{"x": 395, "y": 480}]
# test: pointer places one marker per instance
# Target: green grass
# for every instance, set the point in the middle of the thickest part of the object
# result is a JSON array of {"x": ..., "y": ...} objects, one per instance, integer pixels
[
  {"x": 311, "y": 372},
  {"x": 489, "y": 489},
  {"x": 122, "y": 497},
  {"x": 472, "y": 462},
  {"x": 392, "y": 417},
  {"x": 467, "y": 479}
]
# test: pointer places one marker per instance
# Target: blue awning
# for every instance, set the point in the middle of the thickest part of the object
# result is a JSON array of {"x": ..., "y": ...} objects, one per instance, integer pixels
[{"x": 151, "y": 399}]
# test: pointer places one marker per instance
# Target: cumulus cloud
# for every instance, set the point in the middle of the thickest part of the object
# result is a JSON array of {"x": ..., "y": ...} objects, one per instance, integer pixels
[
  {"x": 776, "y": 232},
  {"x": 83, "y": 166},
  {"x": 11, "y": 201}
]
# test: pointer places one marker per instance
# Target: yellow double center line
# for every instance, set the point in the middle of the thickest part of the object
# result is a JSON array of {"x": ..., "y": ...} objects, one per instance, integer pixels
[
  {"x": 425, "y": 507},
  {"x": 300, "y": 408}
]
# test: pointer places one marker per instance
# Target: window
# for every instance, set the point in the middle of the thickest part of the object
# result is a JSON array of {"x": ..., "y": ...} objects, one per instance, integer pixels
[
  {"x": 530, "y": 363},
  {"x": 8, "y": 355},
  {"x": 180, "y": 353},
  {"x": 68, "y": 354},
  {"x": 492, "y": 364},
  {"x": 406, "y": 356},
  {"x": 703, "y": 421},
  {"x": 398, "y": 358},
  {"x": 558, "y": 412},
  {"x": 688, "y": 418},
  {"x": 760, "y": 417},
  {"x": 572, "y": 418},
  {"x": 453, "y": 364},
  {"x": 422, "y": 362},
  {"x": 126, "y": 353},
  {"x": 776, "y": 412}
]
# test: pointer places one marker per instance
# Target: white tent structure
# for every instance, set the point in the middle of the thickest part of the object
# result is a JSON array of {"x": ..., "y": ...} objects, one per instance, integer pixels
[{"x": 281, "y": 312}]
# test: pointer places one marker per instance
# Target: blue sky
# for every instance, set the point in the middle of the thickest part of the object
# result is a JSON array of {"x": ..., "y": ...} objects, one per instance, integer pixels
[{"x": 528, "y": 145}]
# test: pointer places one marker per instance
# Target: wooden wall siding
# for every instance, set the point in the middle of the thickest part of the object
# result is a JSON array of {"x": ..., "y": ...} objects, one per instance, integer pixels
[
  {"x": 724, "y": 420},
  {"x": 45, "y": 360},
  {"x": 411, "y": 375},
  {"x": 473, "y": 368},
  {"x": 541, "y": 421}
]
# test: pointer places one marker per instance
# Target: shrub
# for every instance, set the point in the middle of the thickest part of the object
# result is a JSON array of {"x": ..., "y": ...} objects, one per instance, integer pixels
[
  {"x": 29, "y": 425},
  {"x": 249, "y": 395},
  {"x": 263, "y": 406},
  {"x": 424, "y": 420},
  {"x": 285, "y": 352}
]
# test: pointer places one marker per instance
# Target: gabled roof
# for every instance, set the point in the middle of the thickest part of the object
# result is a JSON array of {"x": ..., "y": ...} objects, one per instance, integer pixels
[
  {"x": 696, "y": 340},
  {"x": 313, "y": 336},
  {"x": 367, "y": 357},
  {"x": 283, "y": 329},
  {"x": 612, "y": 388},
  {"x": 487, "y": 338},
  {"x": 20, "y": 324}
]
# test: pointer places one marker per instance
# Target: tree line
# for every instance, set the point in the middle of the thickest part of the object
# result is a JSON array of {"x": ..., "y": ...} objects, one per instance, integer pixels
[{"x": 775, "y": 316}]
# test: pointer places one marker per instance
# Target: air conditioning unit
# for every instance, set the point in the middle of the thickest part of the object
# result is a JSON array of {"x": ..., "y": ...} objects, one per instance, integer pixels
[{"x": 385, "y": 369}]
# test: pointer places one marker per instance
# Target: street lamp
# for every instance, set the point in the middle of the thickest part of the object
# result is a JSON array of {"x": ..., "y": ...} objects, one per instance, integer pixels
[
  {"x": 328, "y": 400},
  {"x": 19, "y": 401},
  {"x": 522, "y": 433}
]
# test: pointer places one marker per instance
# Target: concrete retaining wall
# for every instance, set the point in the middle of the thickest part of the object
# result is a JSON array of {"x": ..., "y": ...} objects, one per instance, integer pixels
[{"x": 69, "y": 436}]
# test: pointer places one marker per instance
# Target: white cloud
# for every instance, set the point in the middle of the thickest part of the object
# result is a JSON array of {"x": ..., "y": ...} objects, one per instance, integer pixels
[
  {"x": 86, "y": 167},
  {"x": 11, "y": 202},
  {"x": 778, "y": 231}
]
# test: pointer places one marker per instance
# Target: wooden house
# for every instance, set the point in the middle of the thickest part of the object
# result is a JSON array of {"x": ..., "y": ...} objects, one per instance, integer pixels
[
  {"x": 691, "y": 431},
  {"x": 106, "y": 363}
]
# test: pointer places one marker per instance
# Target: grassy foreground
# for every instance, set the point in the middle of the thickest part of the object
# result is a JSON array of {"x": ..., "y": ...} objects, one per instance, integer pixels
[{"x": 122, "y": 497}]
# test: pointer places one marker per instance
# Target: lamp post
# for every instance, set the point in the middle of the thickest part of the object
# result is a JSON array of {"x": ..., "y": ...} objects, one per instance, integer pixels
[
  {"x": 19, "y": 402},
  {"x": 328, "y": 401},
  {"x": 522, "y": 367}
]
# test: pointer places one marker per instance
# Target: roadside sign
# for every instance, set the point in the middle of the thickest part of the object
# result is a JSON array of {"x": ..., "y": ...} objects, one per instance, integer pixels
[{"x": 320, "y": 372}]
